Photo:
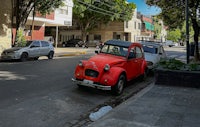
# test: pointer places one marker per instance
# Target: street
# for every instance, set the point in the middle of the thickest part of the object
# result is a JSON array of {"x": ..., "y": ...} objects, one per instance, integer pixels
[
  {"x": 178, "y": 52},
  {"x": 41, "y": 93}
]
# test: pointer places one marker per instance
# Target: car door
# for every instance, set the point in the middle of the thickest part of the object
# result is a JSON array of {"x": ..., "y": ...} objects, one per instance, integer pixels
[
  {"x": 140, "y": 59},
  {"x": 34, "y": 50},
  {"x": 132, "y": 64},
  {"x": 44, "y": 50}
]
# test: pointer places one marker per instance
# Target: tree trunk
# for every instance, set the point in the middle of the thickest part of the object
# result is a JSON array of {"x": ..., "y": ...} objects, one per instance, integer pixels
[
  {"x": 196, "y": 39},
  {"x": 32, "y": 29}
]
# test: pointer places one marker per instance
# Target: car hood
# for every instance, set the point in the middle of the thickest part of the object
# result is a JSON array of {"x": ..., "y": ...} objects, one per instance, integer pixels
[
  {"x": 151, "y": 57},
  {"x": 100, "y": 60},
  {"x": 13, "y": 49}
]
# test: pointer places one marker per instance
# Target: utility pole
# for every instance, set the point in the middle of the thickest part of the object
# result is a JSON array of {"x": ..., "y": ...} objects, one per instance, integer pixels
[{"x": 187, "y": 31}]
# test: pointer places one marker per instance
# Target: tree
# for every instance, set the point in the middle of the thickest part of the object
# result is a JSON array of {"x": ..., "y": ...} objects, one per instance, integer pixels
[
  {"x": 173, "y": 14},
  {"x": 174, "y": 35},
  {"x": 89, "y": 13},
  {"x": 24, "y": 8}
]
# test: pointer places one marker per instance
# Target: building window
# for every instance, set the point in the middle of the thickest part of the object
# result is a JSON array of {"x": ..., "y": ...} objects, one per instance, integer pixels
[
  {"x": 63, "y": 11},
  {"x": 97, "y": 37},
  {"x": 126, "y": 24},
  {"x": 139, "y": 26},
  {"x": 135, "y": 25}
]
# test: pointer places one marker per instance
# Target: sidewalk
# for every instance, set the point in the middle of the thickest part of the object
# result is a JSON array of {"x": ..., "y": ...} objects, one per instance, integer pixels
[
  {"x": 156, "y": 106},
  {"x": 72, "y": 51}
]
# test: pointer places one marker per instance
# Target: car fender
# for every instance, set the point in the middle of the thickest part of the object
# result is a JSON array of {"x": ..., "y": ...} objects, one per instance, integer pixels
[{"x": 110, "y": 78}]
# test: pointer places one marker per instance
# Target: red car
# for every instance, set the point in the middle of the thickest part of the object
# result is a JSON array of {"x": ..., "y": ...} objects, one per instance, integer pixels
[{"x": 115, "y": 64}]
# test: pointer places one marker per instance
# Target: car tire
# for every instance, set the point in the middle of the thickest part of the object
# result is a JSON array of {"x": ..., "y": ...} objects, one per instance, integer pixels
[
  {"x": 64, "y": 45},
  {"x": 119, "y": 87},
  {"x": 50, "y": 55},
  {"x": 144, "y": 75},
  {"x": 24, "y": 57},
  {"x": 76, "y": 45}
]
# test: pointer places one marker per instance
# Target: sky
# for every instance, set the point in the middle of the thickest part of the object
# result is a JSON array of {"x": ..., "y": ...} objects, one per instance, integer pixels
[{"x": 145, "y": 9}]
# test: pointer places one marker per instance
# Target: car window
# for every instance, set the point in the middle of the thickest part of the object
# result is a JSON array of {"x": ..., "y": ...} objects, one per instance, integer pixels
[
  {"x": 132, "y": 53},
  {"x": 114, "y": 50},
  {"x": 150, "y": 49},
  {"x": 28, "y": 43},
  {"x": 45, "y": 44},
  {"x": 138, "y": 52},
  {"x": 35, "y": 44}
]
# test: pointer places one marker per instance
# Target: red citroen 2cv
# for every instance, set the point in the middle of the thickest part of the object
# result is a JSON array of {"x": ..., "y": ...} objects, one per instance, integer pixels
[{"x": 116, "y": 63}]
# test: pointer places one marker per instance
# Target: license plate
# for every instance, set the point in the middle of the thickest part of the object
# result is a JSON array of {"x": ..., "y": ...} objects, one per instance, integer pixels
[{"x": 88, "y": 81}]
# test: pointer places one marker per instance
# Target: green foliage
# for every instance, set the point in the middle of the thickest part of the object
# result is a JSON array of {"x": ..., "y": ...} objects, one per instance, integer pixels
[
  {"x": 47, "y": 6},
  {"x": 173, "y": 64},
  {"x": 174, "y": 15},
  {"x": 174, "y": 35},
  {"x": 21, "y": 40},
  {"x": 157, "y": 27},
  {"x": 24, "y": 7},
  {"x": 88, "y": 14}
]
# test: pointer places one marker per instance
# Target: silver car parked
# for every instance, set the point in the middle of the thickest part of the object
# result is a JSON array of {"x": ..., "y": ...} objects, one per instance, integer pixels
[{"x": 33, "y": 49}]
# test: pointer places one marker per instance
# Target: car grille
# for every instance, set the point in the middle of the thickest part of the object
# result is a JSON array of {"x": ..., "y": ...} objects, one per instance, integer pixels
[{"x": 91, "y": 73}]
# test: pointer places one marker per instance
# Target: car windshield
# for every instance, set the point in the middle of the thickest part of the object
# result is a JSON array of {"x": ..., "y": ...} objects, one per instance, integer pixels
[
  {"x": 150, "y": 49},
  {"x": 28, "y": 43},
  {"x": 114, "y": 50}
]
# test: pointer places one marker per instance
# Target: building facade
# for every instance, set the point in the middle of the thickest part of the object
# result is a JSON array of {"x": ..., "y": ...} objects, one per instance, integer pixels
[
  {"x": 127, "y": 31},
  {"x": 60, "y": 17}
]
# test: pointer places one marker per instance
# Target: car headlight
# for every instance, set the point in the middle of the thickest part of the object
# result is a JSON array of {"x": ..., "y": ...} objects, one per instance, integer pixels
[
  {"x": 80, "y": 64},
  {"x": 107, "y": 67}
]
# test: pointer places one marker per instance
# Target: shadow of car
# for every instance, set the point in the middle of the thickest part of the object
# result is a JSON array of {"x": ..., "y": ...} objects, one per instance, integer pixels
[{"x": 33, "y": 49}]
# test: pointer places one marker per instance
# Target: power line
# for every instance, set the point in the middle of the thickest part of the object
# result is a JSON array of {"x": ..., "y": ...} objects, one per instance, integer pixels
[{"x": 90, "y": 5}]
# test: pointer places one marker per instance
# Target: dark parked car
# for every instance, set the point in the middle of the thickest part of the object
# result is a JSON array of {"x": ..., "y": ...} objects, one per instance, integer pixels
[{"x": 74, "y": 43}]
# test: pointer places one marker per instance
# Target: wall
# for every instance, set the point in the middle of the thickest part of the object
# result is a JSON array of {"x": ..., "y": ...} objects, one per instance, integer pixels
[{"x": 5, "y": 24}]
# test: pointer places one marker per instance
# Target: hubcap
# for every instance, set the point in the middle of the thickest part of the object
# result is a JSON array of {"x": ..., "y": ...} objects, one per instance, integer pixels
[{"x": 120, "y": 85}]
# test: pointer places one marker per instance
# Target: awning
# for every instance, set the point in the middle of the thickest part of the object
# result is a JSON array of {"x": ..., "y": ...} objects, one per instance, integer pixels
[{"x": 149, "y": 26}]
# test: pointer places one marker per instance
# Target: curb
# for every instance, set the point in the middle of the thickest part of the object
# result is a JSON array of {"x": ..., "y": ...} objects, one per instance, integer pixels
[{"x": 71, "y": 54}]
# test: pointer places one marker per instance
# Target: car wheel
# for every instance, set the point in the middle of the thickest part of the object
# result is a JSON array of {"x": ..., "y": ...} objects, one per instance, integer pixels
[
  {"x": 119, "y": 87},
  {"x": 64, "y": 45},
  {"x": 24, "y": 57},
  {"x": 50, "y": 56},
  {"x": 76, "y": 45},
  {"x": 144, "y": 75}
]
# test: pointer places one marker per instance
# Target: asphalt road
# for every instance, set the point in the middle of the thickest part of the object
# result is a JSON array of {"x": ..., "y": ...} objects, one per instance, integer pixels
[{"x": 41, "y": 94}]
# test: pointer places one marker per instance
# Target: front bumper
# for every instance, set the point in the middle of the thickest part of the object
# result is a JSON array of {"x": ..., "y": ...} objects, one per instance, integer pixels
[
  {"x": 91, "y": 84},
  {"x": 10, "y": 56}
]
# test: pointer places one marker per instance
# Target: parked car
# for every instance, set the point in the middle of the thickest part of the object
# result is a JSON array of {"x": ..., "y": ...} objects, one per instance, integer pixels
[
  {"x": 169, "y": 43},
  {"x": 33, "y": 49},
  {"x": 153, "y": 53},
  {"x": 115, "y": 64},
  {"x": 74, "y": 43}
]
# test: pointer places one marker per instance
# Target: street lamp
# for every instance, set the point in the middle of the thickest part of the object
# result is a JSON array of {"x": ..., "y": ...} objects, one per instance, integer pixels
[{"x": 187, "y": 31}]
